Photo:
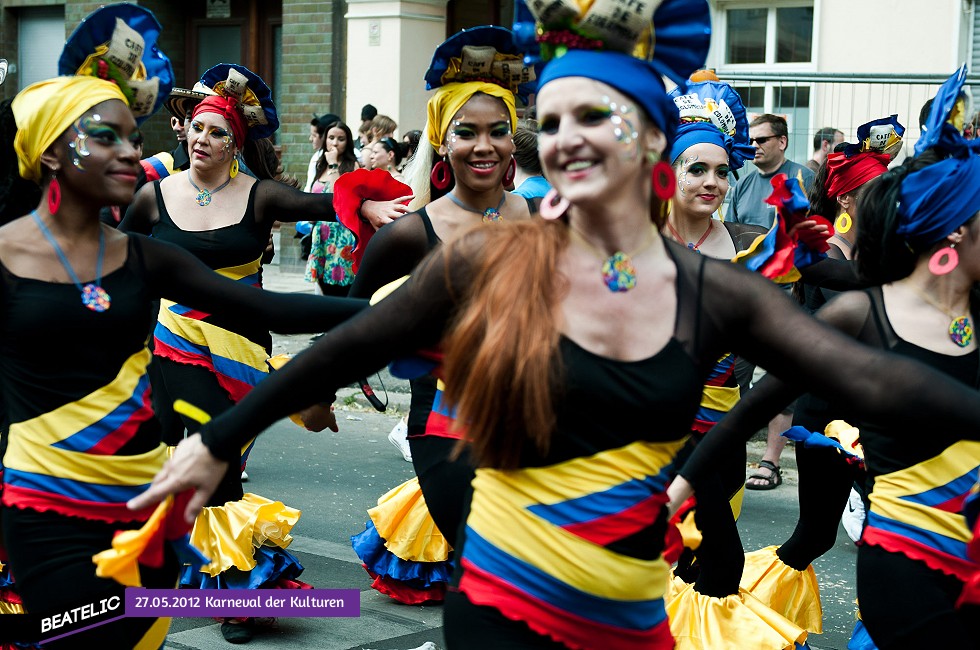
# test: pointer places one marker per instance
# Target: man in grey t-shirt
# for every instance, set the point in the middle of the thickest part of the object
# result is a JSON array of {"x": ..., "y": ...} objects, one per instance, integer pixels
[{"x": 748, "y": 201}]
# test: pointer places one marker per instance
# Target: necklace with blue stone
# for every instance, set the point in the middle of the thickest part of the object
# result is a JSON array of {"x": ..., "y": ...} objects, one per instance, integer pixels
[
  {"x": 94, "y": 297},
  {"x": 204, "y": 195},
  {"x": 490, "y": 215},
  {"x": 618, "y": 271}
]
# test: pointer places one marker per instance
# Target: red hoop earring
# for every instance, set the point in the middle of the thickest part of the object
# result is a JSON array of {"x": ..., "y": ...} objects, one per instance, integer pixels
[
  {"x": 54, "y": 195},
  {"x": 939, "y": 267},
  {"x": 441, "y": 175},
  {"x": 553, "y": 205},
  {"x": 663, "y": 181},
  {"x": 510, "y": 173}
]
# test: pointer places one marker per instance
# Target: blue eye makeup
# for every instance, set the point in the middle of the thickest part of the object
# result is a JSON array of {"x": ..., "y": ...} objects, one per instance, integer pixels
[{"x": 91, "y": 128}]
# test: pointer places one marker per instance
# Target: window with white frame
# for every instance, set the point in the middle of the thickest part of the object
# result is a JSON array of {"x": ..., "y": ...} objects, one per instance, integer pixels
[
  {"x": 768, "y": 35},
  {"x": 778, "y": 37}
]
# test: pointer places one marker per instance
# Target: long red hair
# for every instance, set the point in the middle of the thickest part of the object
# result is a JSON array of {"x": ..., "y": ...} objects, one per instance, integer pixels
[
  {"x": 501, "y": 366},
  {"x": 501, "y": 354}
]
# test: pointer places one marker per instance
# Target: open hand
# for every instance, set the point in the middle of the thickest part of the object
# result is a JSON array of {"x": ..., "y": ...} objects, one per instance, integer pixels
[
  {"x": 319, "y": 417},
  {"x": 378, "y": 213},
  {"x": 191, "y": 466}
]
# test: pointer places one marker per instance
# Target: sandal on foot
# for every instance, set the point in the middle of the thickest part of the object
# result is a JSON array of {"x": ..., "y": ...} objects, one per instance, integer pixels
[{"x": 767, "y": 481}]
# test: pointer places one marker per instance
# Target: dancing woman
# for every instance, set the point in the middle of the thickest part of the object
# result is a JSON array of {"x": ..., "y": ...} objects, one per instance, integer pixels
[
  {"x": 205, "y": 358},
  {"x": 913, "y": 561},
  {"x": 470, "y": 128},
  {"x": 75, "y": 299},
  {"x": 561, "y": 546}
]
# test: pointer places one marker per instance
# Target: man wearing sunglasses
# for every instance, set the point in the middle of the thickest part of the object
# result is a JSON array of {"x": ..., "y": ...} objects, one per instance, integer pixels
[{"x": 768, "y": 134}]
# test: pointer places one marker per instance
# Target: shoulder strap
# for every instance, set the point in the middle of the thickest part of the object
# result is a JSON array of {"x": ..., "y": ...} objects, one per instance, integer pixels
[
  {"x": 430, "y": 233},
  {"x": 161, "y": 206}
]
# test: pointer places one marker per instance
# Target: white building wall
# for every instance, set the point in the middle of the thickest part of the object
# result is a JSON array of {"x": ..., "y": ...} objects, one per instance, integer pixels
[
  {"x": 864, "y": 37},
  {"x": 389, "y": 46}
]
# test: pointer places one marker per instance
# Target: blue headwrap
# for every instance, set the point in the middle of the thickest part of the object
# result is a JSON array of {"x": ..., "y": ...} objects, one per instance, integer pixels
[
  {"x": 634, "y": 78},
  {"x": 938, "y": 130},
  {"x": 712, "y": 112},
  {"x": 938, "y": 199},
  {"x": 588, "y": 45}
]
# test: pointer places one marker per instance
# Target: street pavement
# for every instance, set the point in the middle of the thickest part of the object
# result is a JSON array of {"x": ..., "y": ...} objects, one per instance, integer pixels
[{"x": 335, "y": 477}]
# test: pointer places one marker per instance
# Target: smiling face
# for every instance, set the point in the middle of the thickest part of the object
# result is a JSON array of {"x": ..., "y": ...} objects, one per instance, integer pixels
[
  {"x": 479, "y": 143},
  {"x": 209, "y": 141},
  {"x": 702, "y": 180},
  {"x": 593, "y": 141},
  {"x": 97, "y": 158}
]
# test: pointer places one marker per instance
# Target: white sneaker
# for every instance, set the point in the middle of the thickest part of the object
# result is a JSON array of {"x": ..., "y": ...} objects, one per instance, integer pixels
[
  {"x": 399, "y": 438},
  {"x": 853, "y": 517},
  {"x": 244, "y": 476}
]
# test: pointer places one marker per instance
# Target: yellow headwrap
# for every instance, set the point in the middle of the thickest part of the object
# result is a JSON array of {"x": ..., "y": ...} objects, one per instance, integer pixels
[
  {"x": 44, "y": 111},
  {"x": 448, "y": 99}
]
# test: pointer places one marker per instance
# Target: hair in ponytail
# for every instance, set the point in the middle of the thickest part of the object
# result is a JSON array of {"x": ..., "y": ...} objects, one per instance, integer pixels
[
  {"x": 882, "y": 254},
  {"x": 502, "y": 366}
]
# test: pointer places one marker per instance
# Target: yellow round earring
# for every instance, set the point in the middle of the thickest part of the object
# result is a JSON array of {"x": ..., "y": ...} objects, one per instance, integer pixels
[
  {"x": 233, "y": 172},
  {"x": 843, "y": 223}
]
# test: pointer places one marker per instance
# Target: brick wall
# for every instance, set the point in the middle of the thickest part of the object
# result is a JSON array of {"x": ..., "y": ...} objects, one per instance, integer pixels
[{"x": 307, "y": 82}]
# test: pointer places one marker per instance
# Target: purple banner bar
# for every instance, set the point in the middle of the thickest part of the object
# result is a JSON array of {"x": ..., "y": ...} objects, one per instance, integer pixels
[{"x": 292, "y": 603}]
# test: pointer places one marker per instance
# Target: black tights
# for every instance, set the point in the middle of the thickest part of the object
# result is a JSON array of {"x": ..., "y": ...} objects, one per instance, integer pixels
[
  {"x": 907, "y": 606},
  {"x": 198, "y": 386},
  {"x": 51, "y": 559},
  {"x": 445, "y": 483},
  {"x": 825, "y": 483}
]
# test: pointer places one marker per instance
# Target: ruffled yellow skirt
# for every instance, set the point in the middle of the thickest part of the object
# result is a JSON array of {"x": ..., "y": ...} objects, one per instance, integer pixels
[
  {"x": 794, "y": 594},
  {"x": 699, "y": 622},
  {"x": 403, "y": 521},
  {"x": 229, "y": 534}
]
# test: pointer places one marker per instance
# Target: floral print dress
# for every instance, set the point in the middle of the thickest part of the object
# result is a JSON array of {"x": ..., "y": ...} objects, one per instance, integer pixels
[{"x": 330, "y": 253}]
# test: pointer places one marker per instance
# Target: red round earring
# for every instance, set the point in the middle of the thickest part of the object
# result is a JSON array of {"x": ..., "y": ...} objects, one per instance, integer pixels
[
  {"x": 553, "y": 205},
  {"x": 944, "y": 260},
  {"x": 510, "y": 173},
  {"x": 663, "y": 181},
  {"x": 54, "y": 195},
  {"x": 441, "y": 175}
]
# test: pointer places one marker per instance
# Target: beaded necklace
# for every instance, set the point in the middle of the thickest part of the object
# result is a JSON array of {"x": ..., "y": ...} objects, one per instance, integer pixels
[
  {"x": 490, "y": 215},
  {"x": 93, "y": 295},
  {"x": 204, "y": 195},
  {"x": 694, "y": 247}
]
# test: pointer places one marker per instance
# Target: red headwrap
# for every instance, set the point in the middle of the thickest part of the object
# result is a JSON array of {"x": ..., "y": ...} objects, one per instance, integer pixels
[
  {"x": 844, "y": 174},
  {"x": 226, "y": 107}
]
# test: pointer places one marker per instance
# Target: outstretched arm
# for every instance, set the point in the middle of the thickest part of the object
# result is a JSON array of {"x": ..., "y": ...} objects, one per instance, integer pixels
[
  {"x": 762, "y": 325},
  {"x": 278, "y": 202},
  {"x": 175, "y": 274},
  {"x": 412, "y": 317}
]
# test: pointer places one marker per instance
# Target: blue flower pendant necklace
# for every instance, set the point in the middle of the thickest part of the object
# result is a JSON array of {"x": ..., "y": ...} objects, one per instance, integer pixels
[
  {"x": 93, "y": 295},
  {"x": 490, "y": 215}
]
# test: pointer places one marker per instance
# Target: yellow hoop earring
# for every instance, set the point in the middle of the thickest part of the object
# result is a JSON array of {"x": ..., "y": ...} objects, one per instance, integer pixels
[
  {"x": 843, "y": 223},
  {"x": 233, "y": 172}
]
